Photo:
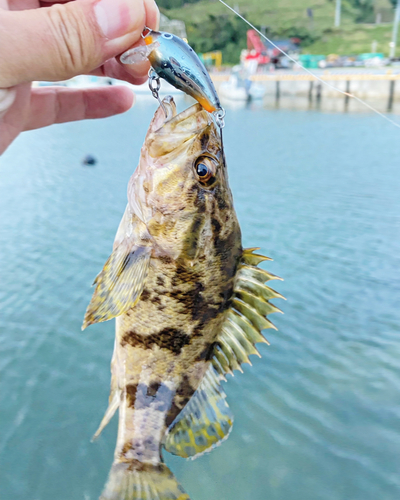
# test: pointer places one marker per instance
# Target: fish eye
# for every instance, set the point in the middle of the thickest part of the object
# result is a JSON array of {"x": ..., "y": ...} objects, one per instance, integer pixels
[
  {"x": 202, "y": 170},
  {"x": 166, "y": 35},
  {"x": 205, "y": 169}
]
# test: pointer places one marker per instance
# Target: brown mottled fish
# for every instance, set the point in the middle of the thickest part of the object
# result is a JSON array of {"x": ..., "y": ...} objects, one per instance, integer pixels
[{"x": 189, "y": 304}]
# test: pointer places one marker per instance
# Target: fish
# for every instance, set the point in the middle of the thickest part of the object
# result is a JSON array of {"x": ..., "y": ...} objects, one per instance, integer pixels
[{"x": 190, "y": 304}]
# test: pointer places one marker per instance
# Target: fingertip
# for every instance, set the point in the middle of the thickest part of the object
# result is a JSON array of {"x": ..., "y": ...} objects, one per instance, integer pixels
[
  {"x": 123, "y": 98},
  {"x": 102, "y": 102}
]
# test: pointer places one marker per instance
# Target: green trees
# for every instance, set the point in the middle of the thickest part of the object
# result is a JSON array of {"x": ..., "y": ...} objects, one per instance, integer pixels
[
  {"x": 221, "y": 32},
  {"x": 210, "y": 26}
]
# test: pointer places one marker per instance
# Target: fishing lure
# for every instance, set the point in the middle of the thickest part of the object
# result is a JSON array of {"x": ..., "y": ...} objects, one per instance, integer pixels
[{"x": 172, "y": 59}]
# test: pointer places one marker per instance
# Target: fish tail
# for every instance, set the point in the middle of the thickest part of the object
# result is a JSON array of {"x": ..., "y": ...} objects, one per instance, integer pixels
[{"x": 140, "y": 481}]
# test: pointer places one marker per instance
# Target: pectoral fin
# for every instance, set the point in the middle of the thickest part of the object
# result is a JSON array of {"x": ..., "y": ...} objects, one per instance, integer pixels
[
  {"x": 205, "y": 421},
  {"x": 120, "y": 283}
]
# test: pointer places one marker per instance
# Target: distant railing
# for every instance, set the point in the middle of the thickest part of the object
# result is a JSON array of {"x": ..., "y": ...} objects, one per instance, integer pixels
[{"x": 278, "y": 77}]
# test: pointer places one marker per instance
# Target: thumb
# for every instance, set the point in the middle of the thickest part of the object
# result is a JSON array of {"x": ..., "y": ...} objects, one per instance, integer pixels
[{"x": 59, "y": 42}]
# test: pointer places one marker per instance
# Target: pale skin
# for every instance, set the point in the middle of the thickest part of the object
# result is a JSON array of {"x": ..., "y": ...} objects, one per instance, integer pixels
[{"x": 57, "y": 40}]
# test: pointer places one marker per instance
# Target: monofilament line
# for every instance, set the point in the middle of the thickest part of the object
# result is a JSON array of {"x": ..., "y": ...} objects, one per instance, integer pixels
[{"x": 310, "y": 72}]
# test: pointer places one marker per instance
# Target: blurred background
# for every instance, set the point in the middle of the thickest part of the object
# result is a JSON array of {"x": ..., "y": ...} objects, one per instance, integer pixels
[
  {"x": 350, "y": 44},
  {"x": 316, "y": 183},
  {"x": 327, "y": 27}
]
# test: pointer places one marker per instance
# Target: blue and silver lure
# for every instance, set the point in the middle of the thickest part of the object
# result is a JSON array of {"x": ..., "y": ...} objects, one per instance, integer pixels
[{"x": 176, "y": 62}]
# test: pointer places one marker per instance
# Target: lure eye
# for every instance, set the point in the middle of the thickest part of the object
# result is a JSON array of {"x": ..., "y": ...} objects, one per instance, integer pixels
[{"x": 205, "y": 169}]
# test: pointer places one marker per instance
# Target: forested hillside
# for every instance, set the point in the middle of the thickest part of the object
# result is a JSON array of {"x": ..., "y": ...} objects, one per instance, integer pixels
[{"x": 211, "y": 26}]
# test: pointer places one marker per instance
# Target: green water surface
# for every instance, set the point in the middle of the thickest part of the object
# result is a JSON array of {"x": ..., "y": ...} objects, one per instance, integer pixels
[{"x": 318, "y": 417}]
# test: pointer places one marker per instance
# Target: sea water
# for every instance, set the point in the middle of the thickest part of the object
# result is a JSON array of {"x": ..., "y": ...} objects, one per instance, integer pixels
[{"x": 318, "y": 417}]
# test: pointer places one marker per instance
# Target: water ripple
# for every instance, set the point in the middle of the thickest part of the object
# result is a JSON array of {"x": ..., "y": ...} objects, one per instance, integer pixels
[{"x": 318, "y": 416}]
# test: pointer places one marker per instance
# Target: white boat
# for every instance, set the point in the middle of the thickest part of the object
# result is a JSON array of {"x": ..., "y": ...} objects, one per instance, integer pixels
[
  {"x": 257, "y": 91},
  {"x": 233, "y": 90},
  {"x": 238, "y": 89}
]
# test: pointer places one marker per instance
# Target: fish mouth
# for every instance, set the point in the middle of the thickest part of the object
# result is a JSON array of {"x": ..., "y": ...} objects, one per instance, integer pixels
[
  {"x": 170, "y": 130},
  {"x": 166, "y": 113}
]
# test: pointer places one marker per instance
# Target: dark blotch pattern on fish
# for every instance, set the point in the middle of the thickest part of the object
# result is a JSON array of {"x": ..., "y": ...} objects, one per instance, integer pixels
[
  {"x": 168, "y": 338},
  {"x": 192, "y": 299},
  {"x": 131, "y": 390},
  {"x": 165, "y": 259},
  {"x": 183, "y": 394},
  {"x": 161, "y": 281},
  {"x": 160, "y": 401},
  {"x": 153, "y": 388},
  {"x": 145, "y": 295},
  {"x": 191, "y": 243},
  {"x": 144, "y": 467},
  {"x": 204, "y": 139},
  {"x": 207, "y": 353}
]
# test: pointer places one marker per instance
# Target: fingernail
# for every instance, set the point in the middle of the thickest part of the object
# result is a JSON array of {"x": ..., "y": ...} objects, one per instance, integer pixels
[{"x": 113, "y": 17}]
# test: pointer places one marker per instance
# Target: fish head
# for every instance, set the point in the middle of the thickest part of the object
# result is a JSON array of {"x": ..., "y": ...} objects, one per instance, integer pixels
[{"x": 180, "y": 187}]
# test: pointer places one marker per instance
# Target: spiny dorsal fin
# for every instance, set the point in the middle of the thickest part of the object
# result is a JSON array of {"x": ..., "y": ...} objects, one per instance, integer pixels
[
  {"x": 205, "y": 421},
  {"x": 246, "y": 317},
  {"x": 257, "y": 273},
  {"x": 251, "y": 258}
]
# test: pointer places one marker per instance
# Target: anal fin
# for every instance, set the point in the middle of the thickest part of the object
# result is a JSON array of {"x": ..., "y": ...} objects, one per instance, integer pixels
[{"x": 205, "y": 421}]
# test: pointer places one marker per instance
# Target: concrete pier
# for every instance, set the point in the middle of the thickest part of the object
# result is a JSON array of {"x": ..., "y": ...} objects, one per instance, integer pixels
[{"x": 362, "y": 83}]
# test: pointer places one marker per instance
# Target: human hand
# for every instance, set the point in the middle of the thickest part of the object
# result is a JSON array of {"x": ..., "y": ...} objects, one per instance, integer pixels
[{"x": 57, "y": 40}]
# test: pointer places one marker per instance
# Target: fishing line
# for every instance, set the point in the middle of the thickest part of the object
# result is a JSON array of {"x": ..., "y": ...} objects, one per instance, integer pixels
[{"x": 382, "y": 115}]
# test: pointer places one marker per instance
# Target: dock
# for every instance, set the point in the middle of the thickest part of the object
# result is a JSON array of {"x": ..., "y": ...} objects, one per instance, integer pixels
[{"x": 360, "y": 82}]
